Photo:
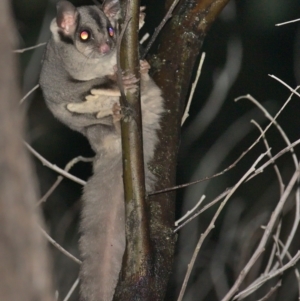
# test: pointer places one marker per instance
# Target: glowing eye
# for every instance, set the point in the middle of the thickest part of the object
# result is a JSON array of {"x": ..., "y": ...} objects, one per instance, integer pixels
[
  {"x": 111, "y": 32},
  {"x": 85, "y": 35}
]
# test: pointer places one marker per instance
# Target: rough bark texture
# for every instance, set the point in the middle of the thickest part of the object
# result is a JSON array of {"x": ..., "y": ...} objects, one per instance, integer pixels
[
  {"x": 180, "y": 44},
  {"x": 24, "y": 265},
  {"x": 172, "y": 65}
]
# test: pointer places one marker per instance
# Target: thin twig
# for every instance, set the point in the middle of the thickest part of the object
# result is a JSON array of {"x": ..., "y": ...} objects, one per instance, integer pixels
[
  {"x": 275, "y": 157},
  {"x": 258, "y": 171},
  {"x": 190, "y": 211},
  {"x": 281, "y": 189},
  {"x": 276, "y": 124},
  {"x": 289, "y": 256},
  {"x": 218, "y": 95},
  {"x": 72, "y": 289},
  {"x": 59, "y": 247},
  {"x": 31, "y": 91},
  {"x": 264, "y": 238},
  {"x": 271, "y": 291},
  {"x": 277, "y": 251},
  {"x": 235, "y": 162},
  {"x": 263, "y": 278},
  {"x": 294, "y": 228},
  {"x": 29, "y": 48},
  {"x": 285, "y": 84},
  {"x": 50, "y": 190},
  {"x": 267, "y": 277},
  {"x": 160, "y": 27},
  {"x": 273, "y": 120},
  {"x": 265, "y": 130},
  {"x": 53, "y": 166},
  {"x": 288, "y": 22},
  {"x": 60, "y": 178},
  {"x": 272, "y": 255},
  {"x": 278, "y": 174},
  {"x": 212, "y": 225},
  {"x": 216, "y": 200},
  {"x": 194, "y": 85},
  {"x": 295, "y": 159}
]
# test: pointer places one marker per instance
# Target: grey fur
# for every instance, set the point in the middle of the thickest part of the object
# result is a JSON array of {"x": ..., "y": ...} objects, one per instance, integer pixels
[{"x": 68, "y": 75}]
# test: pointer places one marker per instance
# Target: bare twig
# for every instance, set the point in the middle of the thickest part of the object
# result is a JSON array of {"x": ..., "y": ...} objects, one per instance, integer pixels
[
  {"x": 281, "y": 188},
  {"x": 267, "y": 277},
  {"x": 295, "y": 159},
  {"x": 296, "y": 270},
  {"x": 211, "y": 226},
  {"x": 272, "y": 255},
  {"x": 29, "y": 48},
  {"x": 293, "y": 230},
  {"x": 221, "y": 86},
  {"x": 235, "y": 162},
  {"x": 224, "y": 249},
  {"x": 59, "y": 247},
  {"x": 294, "y": 91},
  {"x": 258, "y": 171},
  {"x": 194, "y": 85},
  {"x": 271, "y": 292},
  {"x": 31, "y": 91},
  {"x": 288, "y": 22},
  {"x": 60, "y": 178},
  {"x": 279, "y": 177},
  {"x": 216, "y": 200},
  {"x": 277, "y": 251},
  {"x": 264, "y": 238},
  {"x": 53, "y": 166},
  {"x": 190, "y": 211},
  {"x": 72, "y": 289},
  {"x": 273, "y": 120},
  {"x": 265, "y": 130},
  {"x": 275, "y": 157},
  {"x": 160, "y": 26}
]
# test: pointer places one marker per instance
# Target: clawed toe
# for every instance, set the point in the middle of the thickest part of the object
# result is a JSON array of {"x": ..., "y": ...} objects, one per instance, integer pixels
[
  {"x": 117, "y": 115},
  {"x": 130, "y": 82},
  {"x": 144, "y": 67}
]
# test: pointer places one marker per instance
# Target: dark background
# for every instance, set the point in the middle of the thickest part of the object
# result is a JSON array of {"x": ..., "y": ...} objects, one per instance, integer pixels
[{"x": 242, "y": 48}]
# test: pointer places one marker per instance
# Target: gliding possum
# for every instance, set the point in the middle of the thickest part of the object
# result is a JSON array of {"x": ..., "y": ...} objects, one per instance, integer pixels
[{"x": 79, "y": 86}]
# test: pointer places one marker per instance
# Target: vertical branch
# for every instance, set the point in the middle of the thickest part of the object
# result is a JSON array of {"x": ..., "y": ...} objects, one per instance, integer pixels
[
  {"x": 179, "y": 46},
  {"x": 25, "y": 273},
  {"x": 146, "y": 270},
  {"x": 134, "y": 278}
]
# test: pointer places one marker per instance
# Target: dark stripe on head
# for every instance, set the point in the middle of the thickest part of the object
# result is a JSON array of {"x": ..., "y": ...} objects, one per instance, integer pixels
[
  {"x": 65, "y": 39},
  {"x": 78, "y": 18},
  {"x": 96, "y": 16}
]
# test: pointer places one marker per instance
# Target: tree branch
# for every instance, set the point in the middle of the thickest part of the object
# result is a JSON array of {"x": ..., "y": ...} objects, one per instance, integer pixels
[{"x": 136, "y": 267}]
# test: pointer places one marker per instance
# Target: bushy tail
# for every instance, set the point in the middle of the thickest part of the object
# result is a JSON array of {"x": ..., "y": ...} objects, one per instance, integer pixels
[{"x": 102, "y": 243}]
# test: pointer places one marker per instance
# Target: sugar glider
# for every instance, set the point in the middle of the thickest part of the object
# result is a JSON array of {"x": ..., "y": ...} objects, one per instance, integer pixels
[{"x": 79, "y": 86}]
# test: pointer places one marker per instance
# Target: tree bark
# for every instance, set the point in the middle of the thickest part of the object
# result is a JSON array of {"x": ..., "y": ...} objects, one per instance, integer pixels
[
  {"x": 180, "y": 43},
  {"x": 24, "y": 264},
  {"x": 135, "y": 277},
  {"x": 147, "y": 265}
]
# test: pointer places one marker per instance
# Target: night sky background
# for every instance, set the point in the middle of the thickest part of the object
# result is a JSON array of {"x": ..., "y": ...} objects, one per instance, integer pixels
[{"x": 242, "y": 47}]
